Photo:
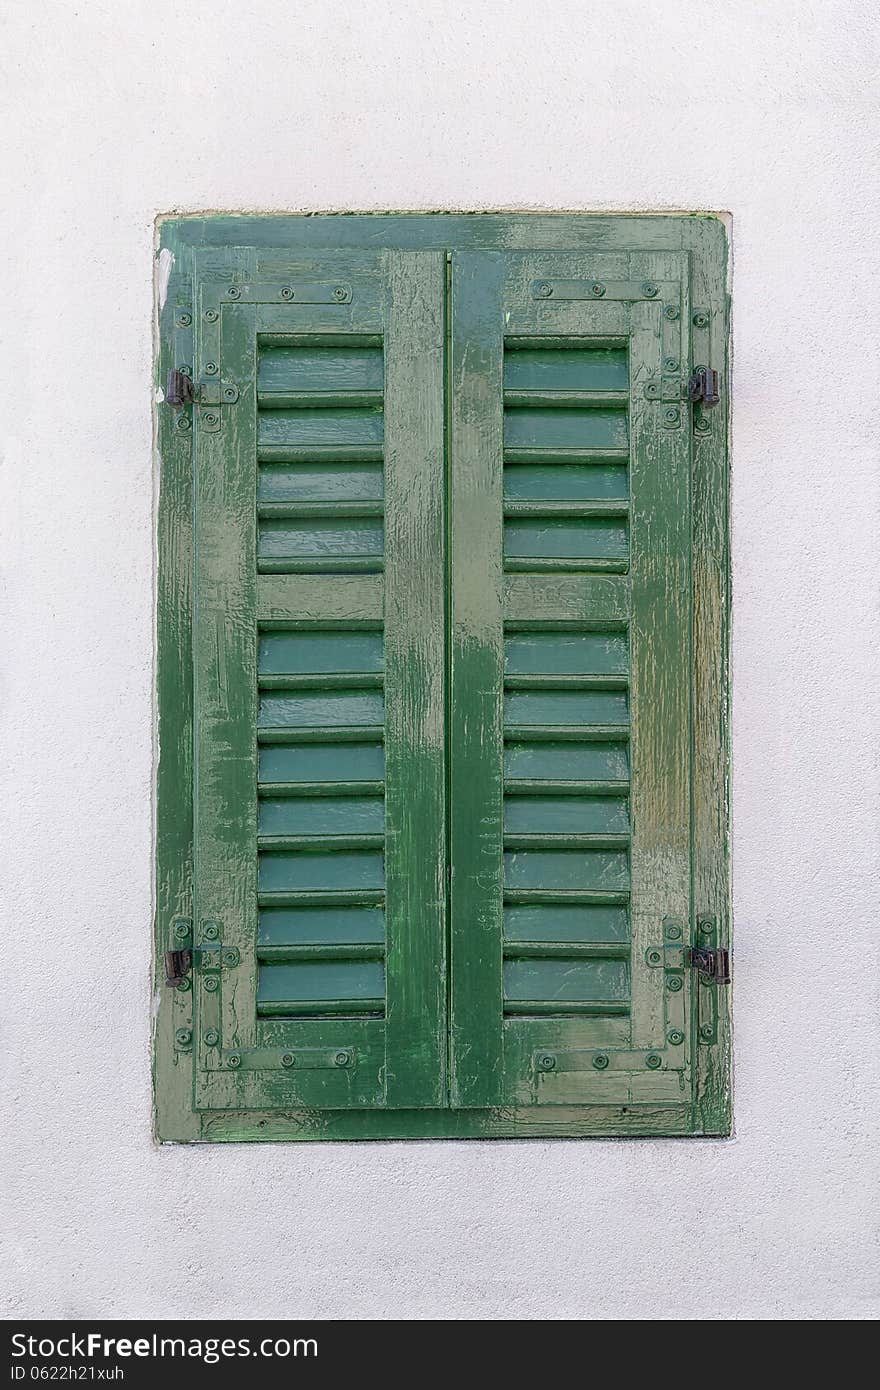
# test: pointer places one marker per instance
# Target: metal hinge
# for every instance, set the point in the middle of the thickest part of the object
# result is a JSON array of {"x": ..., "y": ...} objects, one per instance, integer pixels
[
  {"x": 703, "y": 386},
  {"x": 177, "y": 966},
  {"x": 711, "y": 961},
  {"x": 181, "y": 390}
]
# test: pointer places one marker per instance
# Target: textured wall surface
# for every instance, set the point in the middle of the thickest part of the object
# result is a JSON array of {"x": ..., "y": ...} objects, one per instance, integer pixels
[{"x": 117, "y": 110}]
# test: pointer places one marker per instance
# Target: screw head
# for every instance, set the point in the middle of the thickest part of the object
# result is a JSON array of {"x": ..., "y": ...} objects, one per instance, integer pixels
[
  {"x": 546, "y": 1062},
  {"x": 652, "y": 389},
  {"x": 653, "y": 956},
  {"x": 183, "y": 1037},
  {"x": 184, "y": 320},
  {"x": 672, "y": 312},
  {"x": 234, "y": 1059},
  {"x": 211, "y": 315},
  {"x": 701, "y": 425},
  {"x": 286, "y": 292},
  {"x": 342, "y": 1059},
  {"x": 706, "y": 928},
  {"x": 675, "y": 1037},
  {"x": 340, "y": 294},
  {"x": 209, "y": 417},
  {"x": 181, "y": 930},
  {"x": 597, "y": 289},
  {"x": 230, "y": 956},
  {"x": 229, "y": 393},
  {"x": 210, "y": 368},
  {"x": 672, "y": 930},
  {"x": 234, "y": 292},
  {"x": 183, "y": 422},
  {"x": 674, "y": 983},
  {"x": 706, "y": 1030},
  {"x": 212, "y": 985},
  {"x": 701, "y": 319},
  {"x": 287, "y": 1059},
  {"x": 601, "y": 1060},
  {"x": 184, "y": 984},
  {"x": 211, "y": 931},
  {"x": 653, "y": 1060},
  {"x": 671, "y": 415},
  {"x": 670, "y": 364},
  {"x": 544, "y": 290},
  {"x": 212, "y": 1037},
  {"x": 649, "y": 289}
]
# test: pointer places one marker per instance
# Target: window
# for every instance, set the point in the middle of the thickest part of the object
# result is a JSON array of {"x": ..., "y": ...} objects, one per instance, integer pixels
[{"x": 442, "y": 677}]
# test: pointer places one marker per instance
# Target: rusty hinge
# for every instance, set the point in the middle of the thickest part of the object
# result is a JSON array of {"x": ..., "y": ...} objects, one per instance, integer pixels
[
  {"x": 177, "y": 966},
  {"x": 711, "y": 961},
  {"x": 181, "y": 390},
  {"x": 703, "y": 386}
]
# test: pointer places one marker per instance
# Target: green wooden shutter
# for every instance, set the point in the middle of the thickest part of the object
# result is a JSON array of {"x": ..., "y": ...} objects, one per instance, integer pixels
[
  {"x": 570, "y": 687},
  {"x": 319, "y": 786},
  {"x": 442, "y": 678}
]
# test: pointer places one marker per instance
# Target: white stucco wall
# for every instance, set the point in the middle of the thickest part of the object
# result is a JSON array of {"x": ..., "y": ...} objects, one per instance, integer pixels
[{"x": 117, "y": 110}]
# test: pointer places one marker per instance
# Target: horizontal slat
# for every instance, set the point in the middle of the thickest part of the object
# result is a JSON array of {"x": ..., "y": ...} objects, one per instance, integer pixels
[
  {"x": 554, "y": 922},
  {"x": 316, "y": 842},
  {"x": 323, "y": 564},
  {"x": 336, "y": 763},
  {"x": 317, "y": 400},
  {"x": 566, "y": 980},
  {"x": 320, "y": 653},
  {"x": 542, "y": 428},
  {"x": 565, "y": 815},
  {"x": 537, "y": 733},
  {"x": 320, "y": 601},
  {"x": 574, "y": 761},
  {"x": 563, "y": 342},
  {"x": 332, "y": 680},
  {"x": 566, "y": 708},
  {"x": 334, "y": 481},
  {"x": 317, "y": 340},
  {"x": 338, "y": 817},
  {"x": 331, "y": 789},
  {"x": 547, "y": 787},
  {"x": 565, "y": 400},
  {"x": 578, "y": 601},
  {"x": 591, "y": 1008},
  {"x": 549, "y": 510},
  {"x": 548, "y": 482},
  {"x": 565, "y": 682},
  {"x": 567, "y": 950},
  {"x": 308, "y": 1008},
  {"x": 289, "y": 955},
  {"x": 568, "y": 541},
  {"x": 524, "y": 454},
  {"x": 571, "y": 897},
  {"x": 552, "y": 564},
  {"x": 326, "y": 926},
  {"x": 566, "y": 653},
  {"x": 551, "y": 840},
  {"x": 319, "y": 453},
  {"x": 319, "y": 871},
  {"x": 566, "y": 870},
  {"x": 353, "y": 733},
  {"x": 299, "y": 511},
  {"x": 336, "y": 897},
  {"x": 319, "y": 709}
]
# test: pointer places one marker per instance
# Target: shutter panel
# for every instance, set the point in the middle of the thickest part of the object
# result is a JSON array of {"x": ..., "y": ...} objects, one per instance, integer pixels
[
  {"x": 456, "y": 724},
  {"x": 319, "y": 775},
  {"x": 571, "y": 677}
]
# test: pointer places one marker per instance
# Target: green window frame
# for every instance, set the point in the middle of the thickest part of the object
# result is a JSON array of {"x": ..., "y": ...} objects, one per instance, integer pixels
[{"x": 442, "y": 676}]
